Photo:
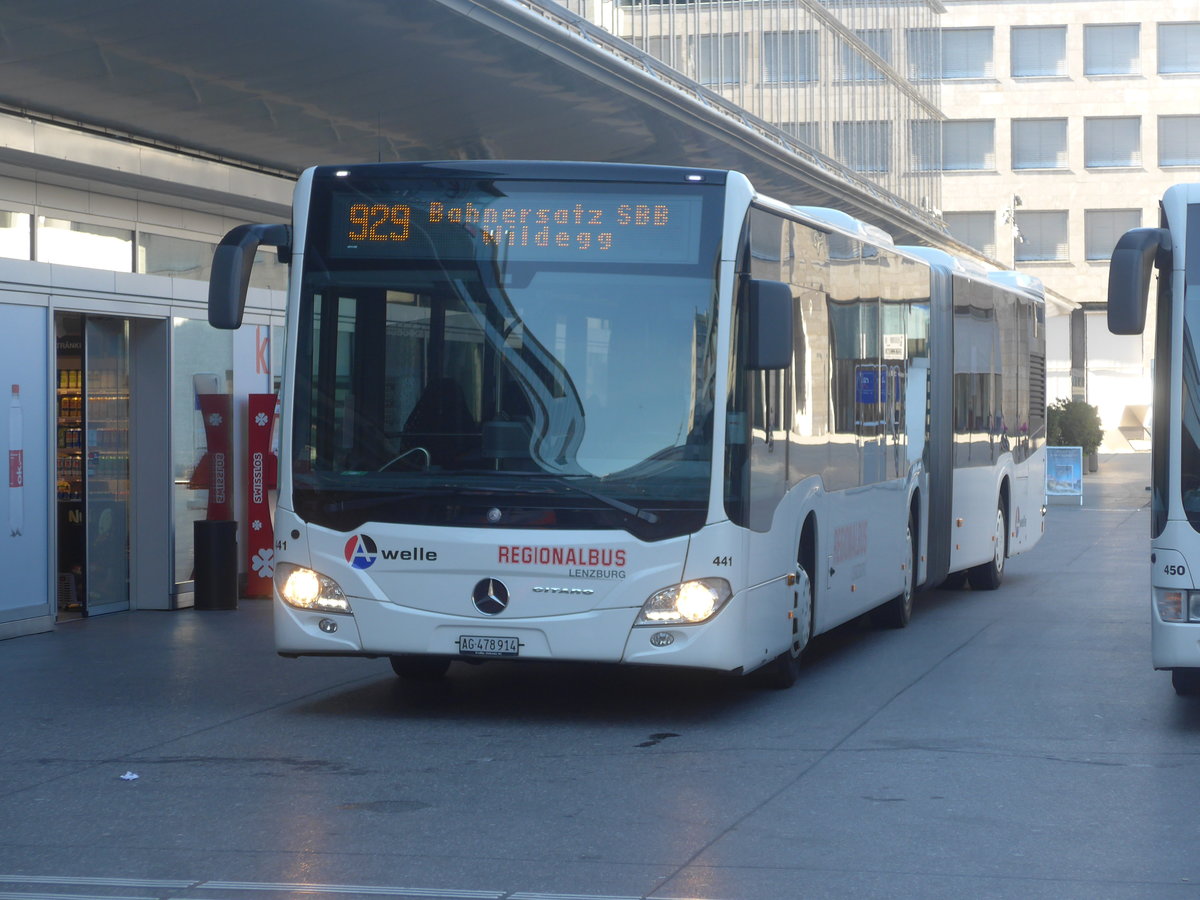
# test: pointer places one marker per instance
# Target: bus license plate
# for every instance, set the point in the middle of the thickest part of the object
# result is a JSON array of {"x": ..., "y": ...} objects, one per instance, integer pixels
[{"x": 482, "y": 645}]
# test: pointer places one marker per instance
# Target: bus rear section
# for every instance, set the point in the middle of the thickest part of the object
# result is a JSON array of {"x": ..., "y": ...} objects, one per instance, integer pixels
[{"x": 988, "y": 419}]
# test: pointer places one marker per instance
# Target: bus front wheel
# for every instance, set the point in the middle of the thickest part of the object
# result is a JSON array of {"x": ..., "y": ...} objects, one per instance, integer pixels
[
  {"x": 987, "y": 576},
  {"x": 420, "y": 668},
  {"x": 1186, "y": 682}
]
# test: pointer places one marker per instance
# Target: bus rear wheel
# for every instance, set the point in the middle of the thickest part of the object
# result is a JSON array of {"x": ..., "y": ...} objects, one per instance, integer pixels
[
  {"x": 987, "y": 576},
  {"x": 420, "y": 668}
]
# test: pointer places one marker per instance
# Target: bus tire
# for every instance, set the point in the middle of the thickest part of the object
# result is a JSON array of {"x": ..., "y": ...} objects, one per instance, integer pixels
[
  {"x": 420, "y": 668},
  {"x": 897, "y": 612},
  {"x": 784, "y": 670},
  {"x": 955, "y": 581},
  {"x": 987, "y": 576},
  {"x": 1186, "y": 682}
]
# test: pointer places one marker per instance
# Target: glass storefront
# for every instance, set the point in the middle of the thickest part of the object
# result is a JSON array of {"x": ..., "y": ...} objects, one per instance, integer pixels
[
  {"x": 93, "y": 471},
  {"x": 14, "y": 235},
  {"x": 84, "y": 244}
]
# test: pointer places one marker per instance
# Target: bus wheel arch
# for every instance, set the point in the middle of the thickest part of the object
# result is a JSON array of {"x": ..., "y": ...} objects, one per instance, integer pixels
[
  {"x": 897, "y": 612},
  {"x": 806, "y": 561},
  {"x": 783, "y": 671}
]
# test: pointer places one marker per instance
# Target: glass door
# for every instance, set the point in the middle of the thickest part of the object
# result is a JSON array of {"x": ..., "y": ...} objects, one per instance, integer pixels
[{"x": 106, "y": 463}]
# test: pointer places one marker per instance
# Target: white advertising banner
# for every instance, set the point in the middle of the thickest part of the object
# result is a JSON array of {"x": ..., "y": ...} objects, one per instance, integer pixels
[{"x": 24, "y": 426}]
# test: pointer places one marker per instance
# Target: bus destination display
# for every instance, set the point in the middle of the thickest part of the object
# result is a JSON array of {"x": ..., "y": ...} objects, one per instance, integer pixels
[{"x": 526, "y": 227}]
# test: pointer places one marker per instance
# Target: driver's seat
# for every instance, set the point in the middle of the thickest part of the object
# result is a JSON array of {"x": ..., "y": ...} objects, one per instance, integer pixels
[{"x": 442, "y": 423}]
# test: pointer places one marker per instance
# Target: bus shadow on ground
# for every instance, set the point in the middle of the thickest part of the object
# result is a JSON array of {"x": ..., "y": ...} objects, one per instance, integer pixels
[
  {"x": 543, "y": 691},
  {"x": 558, "y": 691}
]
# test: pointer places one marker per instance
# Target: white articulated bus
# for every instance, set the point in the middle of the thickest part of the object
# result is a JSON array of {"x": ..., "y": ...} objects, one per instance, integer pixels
[
  {"x": 1174, "y": 249},
  {"x": 635, "y": 414}
]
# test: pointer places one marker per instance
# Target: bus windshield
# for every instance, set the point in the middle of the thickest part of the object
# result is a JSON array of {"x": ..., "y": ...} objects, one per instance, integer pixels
[{"x": 479, "y": 369}]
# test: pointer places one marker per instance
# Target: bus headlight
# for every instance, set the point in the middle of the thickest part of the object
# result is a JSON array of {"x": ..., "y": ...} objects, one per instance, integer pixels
[
  {"x": 305, "y": 589},
  {"x": 688, "y": 603},
  {"x": 1176, "y": 605}
]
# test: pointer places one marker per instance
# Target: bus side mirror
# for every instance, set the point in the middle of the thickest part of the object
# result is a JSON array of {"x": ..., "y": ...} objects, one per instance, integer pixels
[
  {"x": 231, "y": 269},
  {"x": 1136, "y": 254},
  {"x": 769, "y": 320}
]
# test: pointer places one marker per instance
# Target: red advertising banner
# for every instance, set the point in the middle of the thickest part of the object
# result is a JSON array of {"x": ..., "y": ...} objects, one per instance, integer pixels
[
  {"x": 215, "y": 469},
  {"x": 260, "y": 475}
]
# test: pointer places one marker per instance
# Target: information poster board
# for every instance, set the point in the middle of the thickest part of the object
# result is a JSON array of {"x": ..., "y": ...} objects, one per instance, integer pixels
[{"x": 1064, "y": 472}]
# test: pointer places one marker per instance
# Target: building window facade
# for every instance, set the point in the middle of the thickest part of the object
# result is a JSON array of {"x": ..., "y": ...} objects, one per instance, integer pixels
[
  {"x": 1039, "y": 52},
  {"x": 718, "y": 58},
  {"x": 789, "y": 57},
  {"x": 864, "y": 146},
  {"x": 1111, "y": 50},
  {"x": 1179, "y": 141},
  {"x": 1039, "y": 143},
  {"x": 1178, "y": 47},
  {"x": 1103, "y": 227},
  {"x": 857, "y": 67},
  {"x": 975, "y": 229},
  {"x": 85, "y": 244},
  {"x": 969, "y": 146},
  {"x": 806, "y": 132},
  {"x": 1112, "y": 142},
  {"x": 1041, "y": 237},
  {"x": 15, "y": 235},
  {"x": 967, "y": 53}
]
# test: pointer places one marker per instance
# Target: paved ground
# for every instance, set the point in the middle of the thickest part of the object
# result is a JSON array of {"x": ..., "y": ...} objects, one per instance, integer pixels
[{"x": 1012, "y": 744}]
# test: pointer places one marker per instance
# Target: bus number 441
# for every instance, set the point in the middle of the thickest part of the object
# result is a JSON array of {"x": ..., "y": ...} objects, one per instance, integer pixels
[{"x": 722, "y": 561}]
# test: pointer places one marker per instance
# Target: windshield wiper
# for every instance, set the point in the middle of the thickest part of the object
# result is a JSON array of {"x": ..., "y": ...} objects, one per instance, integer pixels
[
  {"x": 384, "y": 501},
  {"x": 620, "y": 505},
  {"x": 428, "y": 491}
]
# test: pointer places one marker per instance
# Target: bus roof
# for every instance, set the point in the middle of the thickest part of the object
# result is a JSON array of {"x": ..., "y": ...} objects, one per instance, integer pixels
[
  {"x": 1018, "y": 282},
  {"x": 846, "y": 223},
  {"x": 533, "y": 170}
]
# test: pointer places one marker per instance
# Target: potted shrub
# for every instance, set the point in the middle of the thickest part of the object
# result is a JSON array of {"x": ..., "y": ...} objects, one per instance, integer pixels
[{"x": 1074, "y": 423}]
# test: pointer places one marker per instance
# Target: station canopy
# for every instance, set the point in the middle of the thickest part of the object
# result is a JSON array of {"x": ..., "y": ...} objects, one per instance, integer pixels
[{"x": 284, "y": 84}]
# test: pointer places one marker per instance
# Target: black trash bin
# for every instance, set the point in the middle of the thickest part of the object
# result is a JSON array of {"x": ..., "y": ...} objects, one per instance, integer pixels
[{"x": 216, "y": 564}]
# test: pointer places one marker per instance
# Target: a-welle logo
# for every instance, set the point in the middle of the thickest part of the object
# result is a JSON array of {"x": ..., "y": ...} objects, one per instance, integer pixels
[{"x": 362, "y": 552}]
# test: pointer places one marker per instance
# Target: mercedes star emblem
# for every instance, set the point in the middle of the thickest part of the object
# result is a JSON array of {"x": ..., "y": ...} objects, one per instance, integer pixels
[{"x": 490, "y": 597}]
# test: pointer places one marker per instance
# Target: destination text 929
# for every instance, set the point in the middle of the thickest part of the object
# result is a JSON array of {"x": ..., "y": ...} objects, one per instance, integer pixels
[{"x": 542, "y": 226}]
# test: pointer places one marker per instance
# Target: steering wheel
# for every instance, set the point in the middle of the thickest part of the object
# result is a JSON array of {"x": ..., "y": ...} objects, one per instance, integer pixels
[{"x": 403, "y": 456}]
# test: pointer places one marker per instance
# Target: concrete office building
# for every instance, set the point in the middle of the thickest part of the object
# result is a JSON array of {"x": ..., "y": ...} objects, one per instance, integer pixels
[
  {"x": 1039, "y": 131},
  {"x": 1066, "y": 121},
  {"x": 836, "y": 77}
]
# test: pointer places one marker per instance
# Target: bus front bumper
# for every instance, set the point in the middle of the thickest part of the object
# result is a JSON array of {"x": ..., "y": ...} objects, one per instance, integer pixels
[
  {"x": 1175, "y": 645},
  {"x": 376, "y": 628}
]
